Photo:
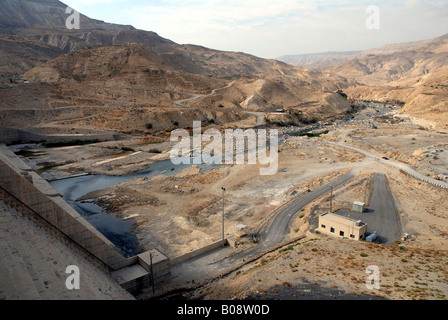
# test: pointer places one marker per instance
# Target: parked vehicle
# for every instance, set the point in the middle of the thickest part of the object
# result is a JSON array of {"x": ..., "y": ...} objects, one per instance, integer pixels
[{"x": 372, "y": 238}]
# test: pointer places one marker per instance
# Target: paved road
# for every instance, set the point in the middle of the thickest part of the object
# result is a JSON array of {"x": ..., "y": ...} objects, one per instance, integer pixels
[
  {"x": 382, "y": 207},
  {"x": 182, "y": 103},
  {"x": 276, "y": 232},
  {"x": 218, "y": 261},
  {"x": 381, "y": 216}
]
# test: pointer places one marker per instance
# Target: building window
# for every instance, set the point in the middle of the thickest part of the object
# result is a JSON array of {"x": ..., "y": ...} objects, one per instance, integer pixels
[
  {"x": 341, "y": 233},
  {"x": 332, "y": 230},
  {"x": 323, "y": 226},
  {"x": 352, "y": 236}
]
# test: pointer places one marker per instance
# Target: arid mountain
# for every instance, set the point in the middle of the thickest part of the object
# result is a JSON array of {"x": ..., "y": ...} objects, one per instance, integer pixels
[
  {"x": 413, "y": 74},
  {"x": 130, "y": 65},
  {"x": 19, "y": 15},
  {"x": 270, "y": 94},
  {"x": 391, "y": 63},
  {"x": 19, "y": 55},
  {"x": 382, "y": 65},
  {"x": 117, "y": 77},
  {"x": 312, "y": 59},
  {"x": 127, "y": 88},
  {"x": 44, "y": 21},
  {"x": 425, "y": 99},
  {"x": 135, "y": 76}
]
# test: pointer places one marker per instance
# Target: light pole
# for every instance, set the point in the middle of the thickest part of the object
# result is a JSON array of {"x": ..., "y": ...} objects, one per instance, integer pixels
[
  {"x": 331, "y": 200},
  {"x": 152, "y": 273},
  {"x": 223, "y": 194}
]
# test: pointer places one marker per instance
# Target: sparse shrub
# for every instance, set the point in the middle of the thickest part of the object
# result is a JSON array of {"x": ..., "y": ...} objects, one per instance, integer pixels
[
  {"x": 67, "y": 143},
  {"x": 281, "y": 123},
  {"x": 313, "y": 135},
  {"x": 85, "y": 54},
  {"x": 363, "y": 254},
  {"x": 291, "y": 247},
  {"x": 127, "y": 149},
  {"x": 155, "y": 151},
  {"x": 342, "y": 94}
]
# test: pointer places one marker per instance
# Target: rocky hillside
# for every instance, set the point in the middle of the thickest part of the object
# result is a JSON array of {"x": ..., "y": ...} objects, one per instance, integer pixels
[
  {"x": 391, "y": 63},
  {"x": 136, "y": 75},
  {"x": 44, "y": 21},
  {"x": 18, "y": 55},
  {"x": 382, "y": 65},
  {"x": 424, "y": 98},
  {"x": 118, "y": 68},
  {"x": 413, "y": 74},
  {"x": 313, "y": 60},
  {"x": 19, "y": 15}
]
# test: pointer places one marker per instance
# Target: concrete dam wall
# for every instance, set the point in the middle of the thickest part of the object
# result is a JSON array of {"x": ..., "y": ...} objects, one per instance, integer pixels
[
  {"x": 20, "y": 181},
  {"x": 29, "y": 189}
]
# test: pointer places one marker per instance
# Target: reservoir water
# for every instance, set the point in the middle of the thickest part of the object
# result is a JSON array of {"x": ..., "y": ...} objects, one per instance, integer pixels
[{"x": 118, "y": 231}]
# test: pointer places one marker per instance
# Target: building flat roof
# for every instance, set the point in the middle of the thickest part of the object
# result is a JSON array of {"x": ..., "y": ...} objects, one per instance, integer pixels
[{"x": 341, "y": 219}]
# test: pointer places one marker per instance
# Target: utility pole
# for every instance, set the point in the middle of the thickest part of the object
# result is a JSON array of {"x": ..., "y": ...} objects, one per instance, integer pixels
[
  {"x": 152, "y": 273},
  {"x": 223, "y": 195},
  {"x": 331, "y": 200}
]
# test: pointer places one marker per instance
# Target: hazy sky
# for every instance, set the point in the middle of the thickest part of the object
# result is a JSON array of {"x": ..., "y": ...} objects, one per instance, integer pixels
[{"x": 271, "y": 28}]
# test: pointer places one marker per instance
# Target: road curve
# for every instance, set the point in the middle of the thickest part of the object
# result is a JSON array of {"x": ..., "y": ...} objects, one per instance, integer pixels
[
  {"x": 277, "y": 231},
  {"x": 219, "y": 261},
  {"x": 193, "y": 96}
]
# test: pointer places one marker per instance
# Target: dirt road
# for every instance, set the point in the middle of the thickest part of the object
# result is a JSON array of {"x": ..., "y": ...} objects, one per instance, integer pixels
[{"x": 261, "y": 117}]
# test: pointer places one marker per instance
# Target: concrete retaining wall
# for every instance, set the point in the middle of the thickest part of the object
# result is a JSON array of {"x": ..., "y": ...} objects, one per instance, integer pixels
[
  {"x": 198, "y": 252},
  {"x": 11, "y": 136},
  {"x": 420, "y": 177}
]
